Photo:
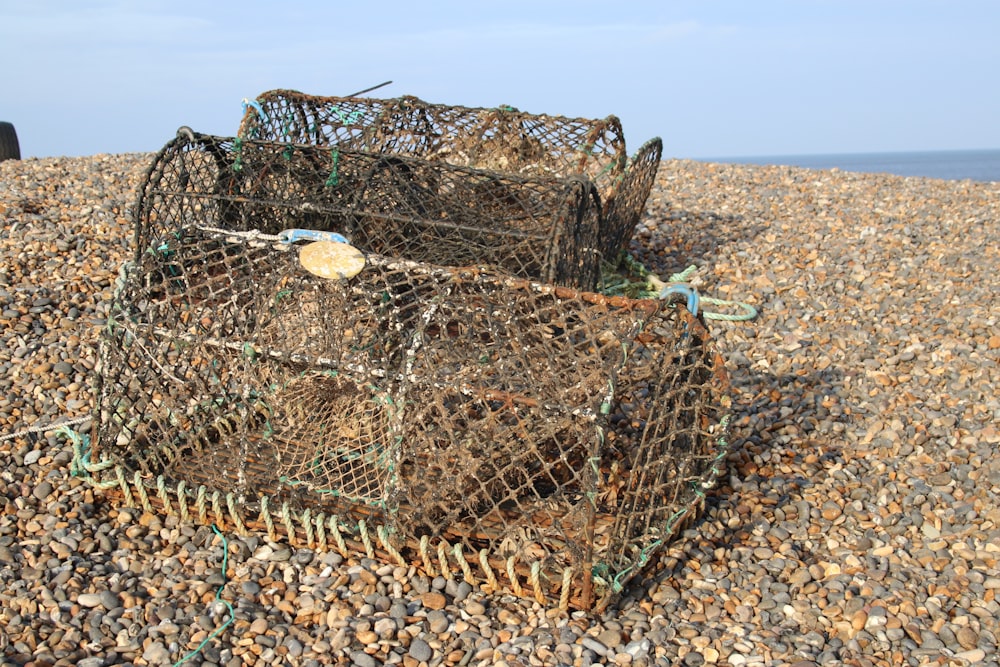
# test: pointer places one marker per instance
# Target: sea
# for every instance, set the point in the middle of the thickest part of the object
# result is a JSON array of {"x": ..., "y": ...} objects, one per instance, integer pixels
[{"x": 976, "y": 165}]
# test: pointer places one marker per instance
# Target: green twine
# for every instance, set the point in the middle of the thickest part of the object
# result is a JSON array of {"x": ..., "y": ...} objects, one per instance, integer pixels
[
  {"x": 218, "y": 596},
  {"x": 281, "y": 294},
  {"x": 79, "y": 466},
  {"x": 617, "y": 584},
  {"x": 268, "y": 431},
  {"x": 749, "y": 312},
  {"x": 238, "y": 162},
  {"x": 347, "y": 118},
  {"x": 616, "y": 280},
  {"x": 334, "y": 179},
  {"x": 599, "y": 574},
  {"x": 607, "y": 168},
  {"x": 250, "y": 352}
]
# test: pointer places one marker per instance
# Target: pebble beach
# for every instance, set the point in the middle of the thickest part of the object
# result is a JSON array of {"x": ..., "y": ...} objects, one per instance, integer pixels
[{"x": 857, "y": 521}]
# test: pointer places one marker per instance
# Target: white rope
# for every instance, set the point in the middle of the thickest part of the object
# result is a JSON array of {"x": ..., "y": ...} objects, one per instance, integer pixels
[
  {"x": 43, "y": 429},
  {"x": 250, "y": 235}
]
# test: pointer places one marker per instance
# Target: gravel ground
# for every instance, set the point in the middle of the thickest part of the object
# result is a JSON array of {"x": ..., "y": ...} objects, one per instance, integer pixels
[{"x": 858, "y": 523}]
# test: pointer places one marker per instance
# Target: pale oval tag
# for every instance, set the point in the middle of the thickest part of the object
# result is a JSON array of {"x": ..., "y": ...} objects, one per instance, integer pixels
[{"x": 329, "y": 259}]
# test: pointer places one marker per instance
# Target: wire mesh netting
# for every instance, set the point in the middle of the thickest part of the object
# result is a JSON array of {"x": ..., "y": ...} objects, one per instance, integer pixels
[
  {"x": 525, "y": 437},
  {"x": 500, "y": 139}
]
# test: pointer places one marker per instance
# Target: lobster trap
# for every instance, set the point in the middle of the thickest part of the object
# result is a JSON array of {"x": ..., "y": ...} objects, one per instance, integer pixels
[
  {"x": 524, "y": 437},
  {"x": 543, "y": 228},
  {"x": 499, "y": 139}
]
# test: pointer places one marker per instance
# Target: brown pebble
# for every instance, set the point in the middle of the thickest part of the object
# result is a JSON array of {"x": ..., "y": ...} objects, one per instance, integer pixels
[
  {"x": 367, "y": 637},
  {"x": 475, "y": 608},
  {"x": 508, "y": 617},
  {"x": 967, "y": 637},
  {"x": 433, "y": 600}
]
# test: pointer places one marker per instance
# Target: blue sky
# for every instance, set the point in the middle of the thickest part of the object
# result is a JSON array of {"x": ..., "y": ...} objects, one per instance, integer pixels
[{"x": 713, "y": 78}]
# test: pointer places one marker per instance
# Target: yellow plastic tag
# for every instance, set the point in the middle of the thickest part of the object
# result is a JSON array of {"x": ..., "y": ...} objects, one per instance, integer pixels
[{"x": 329, "y": 259}]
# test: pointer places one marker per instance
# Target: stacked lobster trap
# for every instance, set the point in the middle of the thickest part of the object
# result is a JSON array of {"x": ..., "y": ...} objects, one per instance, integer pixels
[
  {"x": 545, "y": 228},
  {"x": 459, "y": 399},
  {"x": 490, "y": 140}
]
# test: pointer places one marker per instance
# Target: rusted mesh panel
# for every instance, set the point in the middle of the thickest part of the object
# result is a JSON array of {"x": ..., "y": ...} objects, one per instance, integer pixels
[
  {"x": 629, "y": 201},
  {"x": 525, "y": 437},
  {"x": 500, "y": 139},
  {"x": 537, "y": 227}
]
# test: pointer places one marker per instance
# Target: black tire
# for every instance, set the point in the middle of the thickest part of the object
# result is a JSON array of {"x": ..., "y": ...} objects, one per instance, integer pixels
[{"x": 9, "y": 149}]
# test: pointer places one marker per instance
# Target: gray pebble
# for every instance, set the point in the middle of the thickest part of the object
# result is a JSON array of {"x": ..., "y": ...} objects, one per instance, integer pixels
[
  {"x": 694, "y": 659},
  {"x": 594, "y": 645},
  {"x": 384, "y": 627},
  {"x": 362, "y": 659},
  {"x": 280, "y": 554},
  {"x": 638, "y": 649},
  {"x": 437, "y": 621},
  {"x": 420, "y": 650},
  {"x": 294, "y": 646},
  {"x": 462, "y": 591},
  {"x": 420, "y": 584},
  {"x": 156, "y": 654},
  {"x": 109, "y": 600},
  {"x": 42, "y": 490},
  {"x": 89, "y": 600}
]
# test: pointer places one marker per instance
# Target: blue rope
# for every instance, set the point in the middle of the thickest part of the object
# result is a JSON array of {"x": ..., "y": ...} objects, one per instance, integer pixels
[
  {"x": 289, "y": 236},
  {"x": 218, "y": 596},
  {"x": 749, "y": 312},
  {"x": 247, "y": 103},
  {"x": 650, "y": 286},
  {"x": 684, "y": 290}
]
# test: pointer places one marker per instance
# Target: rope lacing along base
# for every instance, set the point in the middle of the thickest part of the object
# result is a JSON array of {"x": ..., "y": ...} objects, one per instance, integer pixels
[{"x": 305, "y": 529}]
